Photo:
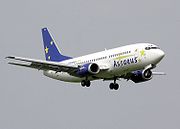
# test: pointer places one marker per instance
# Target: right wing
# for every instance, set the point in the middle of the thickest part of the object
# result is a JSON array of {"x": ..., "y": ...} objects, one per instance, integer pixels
[
  {"x": 158, "y": 73},
  {"x": 42, "y": 65}
]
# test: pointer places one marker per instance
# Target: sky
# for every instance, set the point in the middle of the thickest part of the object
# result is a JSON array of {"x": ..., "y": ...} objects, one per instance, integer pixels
[{"x": 29, "y": 100}]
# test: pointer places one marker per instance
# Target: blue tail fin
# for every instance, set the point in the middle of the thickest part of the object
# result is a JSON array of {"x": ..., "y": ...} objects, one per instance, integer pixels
[{"x": 52, "y": 52}]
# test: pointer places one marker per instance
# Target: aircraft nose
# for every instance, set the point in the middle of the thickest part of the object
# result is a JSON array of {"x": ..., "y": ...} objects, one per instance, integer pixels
[{"x": 160, "y": 54}]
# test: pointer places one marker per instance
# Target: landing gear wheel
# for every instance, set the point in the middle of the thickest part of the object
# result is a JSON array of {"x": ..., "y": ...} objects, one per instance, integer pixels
[
  {"x": 86, "y": 83},
  {"x": 116, "y": 86},
  {"x": 111, "y": 86},
  {"x": 83, "y": 83}
]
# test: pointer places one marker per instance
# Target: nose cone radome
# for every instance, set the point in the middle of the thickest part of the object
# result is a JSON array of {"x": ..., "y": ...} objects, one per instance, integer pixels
[{"x": 160, "y": 55}]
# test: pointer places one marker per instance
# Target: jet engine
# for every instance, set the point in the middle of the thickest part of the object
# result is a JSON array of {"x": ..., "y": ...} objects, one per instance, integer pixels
[
  {"x": 88, "y": 69},
  {"x": 141, "y": 75}
]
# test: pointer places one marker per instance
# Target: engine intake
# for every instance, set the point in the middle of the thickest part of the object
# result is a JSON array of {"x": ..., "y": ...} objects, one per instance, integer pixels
[
  {"x": 141, "y": 75},
  {"x": 88, "y": 69}
]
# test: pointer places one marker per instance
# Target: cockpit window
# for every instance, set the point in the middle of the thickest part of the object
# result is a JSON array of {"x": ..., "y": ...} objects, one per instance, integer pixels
[
  {"x": 148, "y": 48},
  {"x": 154, "y": 48}
]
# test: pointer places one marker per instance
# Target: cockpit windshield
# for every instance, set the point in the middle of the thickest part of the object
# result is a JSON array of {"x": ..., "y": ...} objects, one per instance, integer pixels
[{"x": 150, "y": 47}]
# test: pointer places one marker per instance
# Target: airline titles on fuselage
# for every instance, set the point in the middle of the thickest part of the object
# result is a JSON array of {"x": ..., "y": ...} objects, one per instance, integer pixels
[{"x": 123, "y": 62}]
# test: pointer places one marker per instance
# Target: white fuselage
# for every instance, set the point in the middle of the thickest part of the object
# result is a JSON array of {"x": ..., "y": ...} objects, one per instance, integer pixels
[{"x": 117, "y": 62}]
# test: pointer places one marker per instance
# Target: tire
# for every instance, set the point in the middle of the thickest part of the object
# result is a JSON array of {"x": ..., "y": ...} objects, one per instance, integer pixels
[
  {"x": 88, "y": 83},
  {"x": 116, "y": 86},
  {"x": 83, "y": 83},
  {"x": 111, "y": 86}
]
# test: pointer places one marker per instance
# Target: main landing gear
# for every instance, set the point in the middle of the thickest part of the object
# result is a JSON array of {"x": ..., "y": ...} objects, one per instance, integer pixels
[
  {"x": 86, "y": 83},
  {"x": 114, "y": 86}
]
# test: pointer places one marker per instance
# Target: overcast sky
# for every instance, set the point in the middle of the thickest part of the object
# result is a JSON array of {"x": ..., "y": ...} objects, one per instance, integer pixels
[{"x": 29, "y": 100}]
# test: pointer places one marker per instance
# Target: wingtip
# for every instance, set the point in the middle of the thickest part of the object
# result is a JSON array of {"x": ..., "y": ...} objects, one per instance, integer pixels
[
  {"x": 10, "y": 57},
  {"x": 9, "y": 63},
  {"x": 159, "y": 73}
]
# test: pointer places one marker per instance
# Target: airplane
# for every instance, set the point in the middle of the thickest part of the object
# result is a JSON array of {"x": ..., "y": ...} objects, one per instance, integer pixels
[{"x": 132, "y": 62}]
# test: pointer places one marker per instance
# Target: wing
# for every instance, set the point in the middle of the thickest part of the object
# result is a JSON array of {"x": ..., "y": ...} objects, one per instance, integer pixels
[
  {"x": 139, "y": 76},
  {"x": 129, "y": 75},
  {"x": 158, "y": 73},
  {"x": 41, "y": 65}
]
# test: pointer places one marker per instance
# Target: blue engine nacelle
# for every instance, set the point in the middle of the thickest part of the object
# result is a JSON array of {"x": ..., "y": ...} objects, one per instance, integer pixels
[
  {"x": 141, "y": 75},
  {"x": 88, "y": 69}
]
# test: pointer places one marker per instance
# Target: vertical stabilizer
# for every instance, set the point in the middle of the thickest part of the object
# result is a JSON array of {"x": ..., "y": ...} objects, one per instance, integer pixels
[{"x": 51, "y": 50}]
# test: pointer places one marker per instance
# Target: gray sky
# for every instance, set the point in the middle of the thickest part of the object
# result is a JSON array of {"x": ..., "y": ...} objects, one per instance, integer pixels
[{"x": 28, "y": 100}]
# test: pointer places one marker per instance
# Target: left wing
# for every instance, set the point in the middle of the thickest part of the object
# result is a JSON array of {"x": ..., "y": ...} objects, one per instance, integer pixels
[{"x": 42, "y": 65}]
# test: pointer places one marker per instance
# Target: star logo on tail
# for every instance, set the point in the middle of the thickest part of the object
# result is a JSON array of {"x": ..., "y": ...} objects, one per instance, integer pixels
[{"x": 46, "y": 50}]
